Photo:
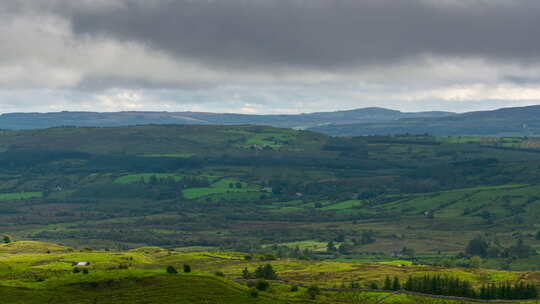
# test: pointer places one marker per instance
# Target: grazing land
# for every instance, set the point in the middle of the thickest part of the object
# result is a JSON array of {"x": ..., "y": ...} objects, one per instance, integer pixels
[
  {"x": 37, "y": 272},
  {"x": 321, "y": 210}
]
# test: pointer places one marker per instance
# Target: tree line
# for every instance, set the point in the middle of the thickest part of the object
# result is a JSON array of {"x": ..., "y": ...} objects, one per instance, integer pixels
[{"x": 450, "y": 286}]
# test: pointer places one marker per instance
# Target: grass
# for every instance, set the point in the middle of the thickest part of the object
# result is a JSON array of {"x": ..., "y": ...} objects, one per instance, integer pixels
[
  {"x": 220, "y": 187},
  {"x": 47, "y": 278},
  {"x": 172, "y": 155},
  {"x": 159, "y": 289},
  {"x": 311, "y": 245},
  {"x": 397, "y": 263},
  {"x": 133, "y": 178},
  {"x": 343, "y": 205},
  {"x": 275, "y": 139},
  {"x": 32, "y": 247},
  {"x": 20, "y": 195}
]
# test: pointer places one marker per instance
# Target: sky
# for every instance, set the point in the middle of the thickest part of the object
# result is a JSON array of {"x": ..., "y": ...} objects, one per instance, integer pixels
[{"x": 268, "y": 56}]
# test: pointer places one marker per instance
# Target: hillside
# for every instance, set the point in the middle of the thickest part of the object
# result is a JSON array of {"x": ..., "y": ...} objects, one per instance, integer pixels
[
  {"x": 268, "y": 190},
  {"x": 300, "y": 121},
  {"x": 519, "y": 121},
  {"x": 140, "y": 276}
]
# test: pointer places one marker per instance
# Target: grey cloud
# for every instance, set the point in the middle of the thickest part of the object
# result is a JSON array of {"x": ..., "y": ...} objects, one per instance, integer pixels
[{"x": 319, "y": 33}]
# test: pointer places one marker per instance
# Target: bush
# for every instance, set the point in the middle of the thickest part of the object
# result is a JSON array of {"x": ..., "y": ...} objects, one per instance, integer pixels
[
  {"x": 123, "y": 265},
  {"x": 7, "y": 239},
  {"x": 219, "y": 274},
  {"x": 171, "y": 269},
  {"x": 76, "y": 270},
  {"x": 268, "y": 257},
  {"x": 85, "y": 271},
  {"x": 187, "y": 268},
  {"x": 266, "y": 272},
  {"x": 254, "y": 293},
  {"x": 294, "y": 288},
  {"x": 246, "y": 275},
  {"x": 313, "y": 291},
  {"x": 262, "y": 285}
]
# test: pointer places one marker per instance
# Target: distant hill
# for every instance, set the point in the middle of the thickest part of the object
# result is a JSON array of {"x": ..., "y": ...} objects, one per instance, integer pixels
[
  {"x": 298, "y": 121},
  {"x": 517, "y": 121}
]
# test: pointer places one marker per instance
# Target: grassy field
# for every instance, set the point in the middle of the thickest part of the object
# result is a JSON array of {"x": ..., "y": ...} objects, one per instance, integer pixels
[
  {"x": 134, "y": 178},
  {"x": 172, "y": 155},
  {"x": 20, "y": 195},
  {"x": 222, "y": 186},
  {"x": 431, "y": 194},
  {"x": 35, "y": 272}
]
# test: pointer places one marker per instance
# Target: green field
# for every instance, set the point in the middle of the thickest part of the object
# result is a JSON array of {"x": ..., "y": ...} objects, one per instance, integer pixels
[
  {"x": 371, "y": 196},
  {"x": 344, "y": 205},
  {"x": 20, "y": 195},
  {"x": 134, "y": 178},
  {"x": 172, "y": 155},
  {"x": 222, "y": 186},
  {"x": 35, "y": 272}
]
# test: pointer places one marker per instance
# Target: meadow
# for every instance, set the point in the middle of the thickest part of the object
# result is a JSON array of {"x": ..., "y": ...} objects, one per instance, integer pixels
[
  {"x": 19, "y": 195},
  {"x": 37, "y": 272},
  {"x": 282, "y": 192}
]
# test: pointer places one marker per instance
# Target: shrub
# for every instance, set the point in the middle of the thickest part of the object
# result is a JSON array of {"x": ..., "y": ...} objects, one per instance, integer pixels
[
  {"x": 294, "y": 288},
  {"x": 85, "y": 271},
  {"x": 219, "y": 274},
  {"x": 7, "y": 239},
  {"x": 313, "y": 291},
  {"x": 254, "y": 293},
  {"x": 268, "y": 257},
  {"x": 123, "y": 265},
  {"x": 171, "y": 269},
  {"x": 187, "y": 268},
  {"x": 266, "y": 272},
  {"x": 262, "y": 285},
  {"x": 76, "y": 270},
  {"x": 246, "y": 275}
]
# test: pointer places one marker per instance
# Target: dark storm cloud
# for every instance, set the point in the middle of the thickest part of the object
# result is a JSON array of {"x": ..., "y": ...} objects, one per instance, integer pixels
[{"x": 320, "y": 33}]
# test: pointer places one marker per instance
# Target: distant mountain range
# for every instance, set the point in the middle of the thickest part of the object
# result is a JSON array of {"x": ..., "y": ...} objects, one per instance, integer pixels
[
  {"x": 298, "y": 121},
  {"x": 519, "y": 121}
]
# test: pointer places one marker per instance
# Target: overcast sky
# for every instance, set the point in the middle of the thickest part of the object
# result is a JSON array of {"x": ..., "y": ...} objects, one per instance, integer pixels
[{"x": 268, "y": 56}]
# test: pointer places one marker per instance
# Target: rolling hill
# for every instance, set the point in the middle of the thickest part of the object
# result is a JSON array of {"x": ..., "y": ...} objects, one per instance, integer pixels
[
  {"x": 517, "y": 121},
  {"x": 300, "y": 121}
]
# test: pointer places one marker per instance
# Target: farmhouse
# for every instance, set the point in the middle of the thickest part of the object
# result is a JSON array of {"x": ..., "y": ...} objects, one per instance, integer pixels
[{"x": 84, "y": 264}]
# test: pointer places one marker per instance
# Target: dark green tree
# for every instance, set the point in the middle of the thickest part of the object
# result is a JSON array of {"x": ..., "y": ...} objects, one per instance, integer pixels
[
  {"x": 387, "y": 283},
  {"x": 396, "y": 285},
  {"x": 330, "y": 247},
  {"x": 477, "y": 246},
  {"x": 313, "y": 291},
  {"x": 265, "y": 272},
  {"x": 262, "y": 285},
  {"x": 246, "y": 275},
  {"x": 7, "y": 239},
  {"x": 187, "y": 268}
]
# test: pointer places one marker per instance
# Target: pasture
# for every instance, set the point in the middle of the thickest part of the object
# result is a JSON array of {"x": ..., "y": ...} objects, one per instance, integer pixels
[{"x": 139, "y": 276}]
